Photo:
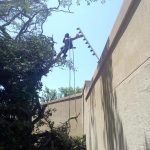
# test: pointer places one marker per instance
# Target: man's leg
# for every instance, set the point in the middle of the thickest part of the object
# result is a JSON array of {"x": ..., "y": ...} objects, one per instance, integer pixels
[
  {"x": 70, "y": 44},
  {"x": 65, "y": 51}
]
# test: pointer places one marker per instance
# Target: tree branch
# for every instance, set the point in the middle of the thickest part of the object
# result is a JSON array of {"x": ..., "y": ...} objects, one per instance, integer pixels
[
  {"x": 24, "y": 27},
  {"x": 40, "y": 114},
  {"x": 4, "y": 32},
  {"x": 13, "y": 18}
]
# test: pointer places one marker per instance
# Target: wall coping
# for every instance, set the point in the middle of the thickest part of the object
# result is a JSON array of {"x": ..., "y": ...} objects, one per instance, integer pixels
[
  {"x": 68, "y": 98},
  {"x": 87, "y": 84},
  {"x": 123, "y": 14}
]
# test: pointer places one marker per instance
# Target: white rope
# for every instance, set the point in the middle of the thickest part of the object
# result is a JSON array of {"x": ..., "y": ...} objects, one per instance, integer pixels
[
  {"x": 69, "y": 79},
  {"x": 74, "y": 71},
  {"x": 74, "y": 81}
]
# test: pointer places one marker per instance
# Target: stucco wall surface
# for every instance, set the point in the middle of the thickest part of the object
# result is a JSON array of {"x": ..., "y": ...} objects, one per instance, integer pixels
[
  {"x": 65, "y": 109},
  {"x": 117, "y": 105}
]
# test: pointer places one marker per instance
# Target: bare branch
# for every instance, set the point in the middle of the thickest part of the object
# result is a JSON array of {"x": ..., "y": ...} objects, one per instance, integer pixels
[
  {"x": 10, "y": 21},
  {"x": 3, "y": 30},
  {"x": 57, "y": 10},
  {"x": 40, "y": 114},
  {"x": 24, "y": 27}
]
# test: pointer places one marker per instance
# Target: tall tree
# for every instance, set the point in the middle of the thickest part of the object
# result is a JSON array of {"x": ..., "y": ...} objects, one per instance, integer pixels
[{"x": 25, "y": 56}]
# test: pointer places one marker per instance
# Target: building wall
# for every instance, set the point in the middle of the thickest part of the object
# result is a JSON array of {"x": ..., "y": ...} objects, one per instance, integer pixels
[
  {"x": 117, "y": 104},
  {"x": 66, "y": 108}
]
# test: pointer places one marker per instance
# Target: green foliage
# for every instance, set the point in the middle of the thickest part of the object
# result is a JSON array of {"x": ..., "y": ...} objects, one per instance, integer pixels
[
  {"x": 64, "y": 92},
  {"x": 13, "y": 134},
  {"x": 56, "y": 138},
  {"x": 51, "y": 94},
  {"x": 22, "y": 66},
  {"x": 48, "y": 95},
  {"x": 25, "y": 56}
]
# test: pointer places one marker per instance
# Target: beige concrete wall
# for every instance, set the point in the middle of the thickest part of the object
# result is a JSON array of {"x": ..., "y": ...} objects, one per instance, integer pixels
[
  {"x": 117, "y": 104},
  {"x": 66, "y": 108}
]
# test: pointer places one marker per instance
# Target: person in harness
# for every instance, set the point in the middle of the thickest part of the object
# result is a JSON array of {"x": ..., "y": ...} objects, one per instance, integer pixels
[{"x": 68, "y": 43}]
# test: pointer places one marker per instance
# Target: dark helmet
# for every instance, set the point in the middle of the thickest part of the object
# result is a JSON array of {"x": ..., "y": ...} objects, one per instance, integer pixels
[{"x": 67, "y": 35}]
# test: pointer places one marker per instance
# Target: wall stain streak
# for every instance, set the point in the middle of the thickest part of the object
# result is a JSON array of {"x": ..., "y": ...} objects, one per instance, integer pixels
[{"x": 113, "y": 129}]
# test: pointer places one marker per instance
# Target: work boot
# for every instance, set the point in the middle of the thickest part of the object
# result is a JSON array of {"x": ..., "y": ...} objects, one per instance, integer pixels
[{"x": 64, "y": 55}]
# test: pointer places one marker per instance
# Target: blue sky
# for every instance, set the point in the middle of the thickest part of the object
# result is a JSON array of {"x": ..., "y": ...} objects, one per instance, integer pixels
[{"x": 96, "y": 22}]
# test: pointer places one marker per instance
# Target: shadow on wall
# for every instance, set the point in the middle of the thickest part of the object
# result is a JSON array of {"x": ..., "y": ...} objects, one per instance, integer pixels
[
  {"x": 113, "y": 132},
  {"x": 147, "y": 143},
  {"x": 113, "y": 129},
  {"x": 92, "y": 120},
  {"x": 92, "y": 129}
]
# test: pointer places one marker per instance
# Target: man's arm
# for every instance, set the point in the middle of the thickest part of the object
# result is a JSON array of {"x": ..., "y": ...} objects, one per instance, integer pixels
[{"x": 76, "y": 37}]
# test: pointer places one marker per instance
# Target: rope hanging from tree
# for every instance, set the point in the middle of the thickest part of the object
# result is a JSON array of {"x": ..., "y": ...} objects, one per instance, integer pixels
[
  {"x": 70, "y": 77},
  {"x": 68, "y": 45}
]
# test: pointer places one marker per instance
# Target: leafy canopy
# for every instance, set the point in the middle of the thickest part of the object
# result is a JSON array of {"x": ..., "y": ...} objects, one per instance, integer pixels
[{"x": 25, "y": 56}]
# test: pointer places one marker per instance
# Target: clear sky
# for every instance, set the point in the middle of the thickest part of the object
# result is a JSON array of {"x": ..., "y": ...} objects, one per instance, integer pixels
[{"x": 96, "y": 22}]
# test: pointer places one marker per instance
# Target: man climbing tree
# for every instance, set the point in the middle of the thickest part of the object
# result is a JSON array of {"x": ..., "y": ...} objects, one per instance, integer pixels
[{"x": 68, "y": 43}]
